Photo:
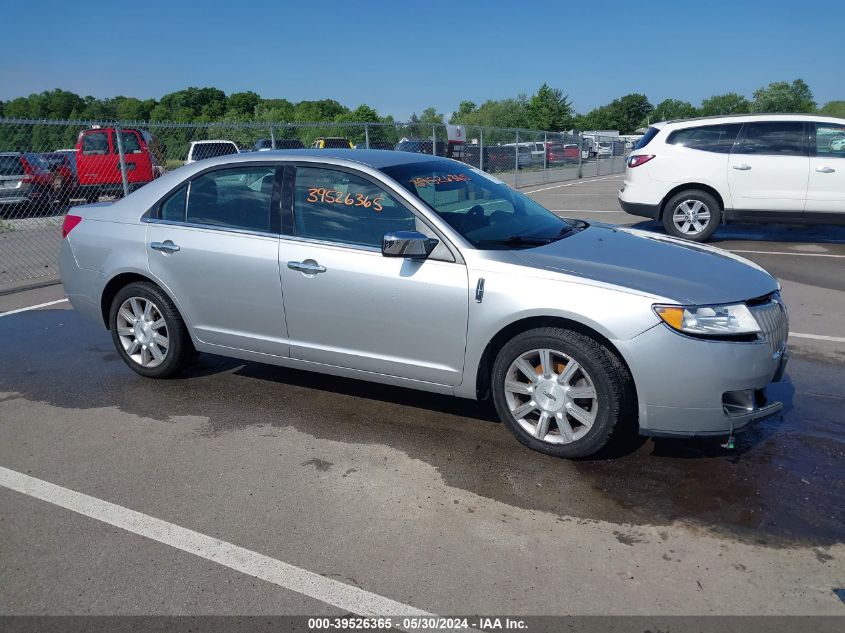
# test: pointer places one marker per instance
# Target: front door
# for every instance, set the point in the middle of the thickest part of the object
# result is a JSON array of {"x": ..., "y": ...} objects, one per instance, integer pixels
[
  {"x": 213, "y": 246},
  {"x": 768, "y": 169},
  {"x": 347, "y": 305},
  {"x": 826, "y": 190}
]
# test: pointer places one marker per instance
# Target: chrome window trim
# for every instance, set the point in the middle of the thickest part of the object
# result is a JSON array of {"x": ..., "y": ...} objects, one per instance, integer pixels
[{"x": 212, "y": 227}]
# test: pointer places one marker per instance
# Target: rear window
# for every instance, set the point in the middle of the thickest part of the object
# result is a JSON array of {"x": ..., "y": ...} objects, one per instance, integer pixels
[
  {"x": 707, "y": 138},
  {"x": 210, "y": 150},
  {"x": 646, "y": 138},
  {"x": 36, "y": 162},
  {"x": 336, "y": 143},
  {"x": 131, "y": 145},
  {"x": 95, "y": 143},
  {"x": 11, "y": 166}
]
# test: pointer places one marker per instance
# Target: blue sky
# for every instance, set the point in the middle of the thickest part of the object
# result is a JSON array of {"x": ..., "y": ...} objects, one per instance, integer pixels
[{"x": 401, "y": 57}]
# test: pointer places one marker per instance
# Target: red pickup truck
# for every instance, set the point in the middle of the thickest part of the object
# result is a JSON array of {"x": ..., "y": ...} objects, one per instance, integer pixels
[{"x": 98, "y": 162}]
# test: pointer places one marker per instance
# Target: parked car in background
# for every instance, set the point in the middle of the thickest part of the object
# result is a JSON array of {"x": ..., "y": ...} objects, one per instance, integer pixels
[
  {"x": 266, "y": 144},
  {"x": 562, "y": 153},
  {"x": 26, "y": 179},
  {"x": 200, "y": 150},
  {"x": 332, "y": 142},
  {"x": 63, "y": 164},
  {"x": 575, "y": 331},
  {"x": 376, "y": 145},
  {"x": 421, "y": 146},
  {"x": 98, "y": 162},
  {"x": 697, "y": 173}
]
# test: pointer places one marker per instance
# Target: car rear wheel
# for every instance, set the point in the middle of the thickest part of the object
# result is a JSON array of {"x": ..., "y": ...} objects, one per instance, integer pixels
[
  {"x": 692, "y": 215},
  {"x": 148, "y": 332},
  {"x": 559, "y": 392}
]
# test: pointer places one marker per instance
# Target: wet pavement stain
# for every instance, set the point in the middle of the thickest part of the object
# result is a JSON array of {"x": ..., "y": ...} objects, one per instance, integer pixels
[{"x": 784, "y": 483}]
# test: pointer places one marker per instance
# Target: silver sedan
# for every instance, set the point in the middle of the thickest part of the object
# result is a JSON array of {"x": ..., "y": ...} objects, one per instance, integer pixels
[{"x": 423, "y": 272}]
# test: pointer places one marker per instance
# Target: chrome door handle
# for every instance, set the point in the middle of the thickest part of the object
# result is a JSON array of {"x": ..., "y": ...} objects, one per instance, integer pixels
[
  {"x": 825, "y": 170},
  {"x": 308, "y": 266},
  {"x": 165, "y": 247},
  {"x": 742, "y": 167}
]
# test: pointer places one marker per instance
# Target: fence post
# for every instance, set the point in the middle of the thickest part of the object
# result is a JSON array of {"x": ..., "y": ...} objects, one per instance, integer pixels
[
  {"x": 481, "y": 148},
  {"x": 272, "y": 137},
  {"x": 433, "y": 140},
  {"x": 367, "y": 135},
  {"x": 580, "y": 155},
  {"x": 123, "y": 178},
  {"x": 516, "y": 156},
  {"x": 545, "y": 156}
]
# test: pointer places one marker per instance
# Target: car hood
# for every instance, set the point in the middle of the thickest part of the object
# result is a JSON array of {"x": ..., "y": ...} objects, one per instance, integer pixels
[{"x": 685, "y": 272}]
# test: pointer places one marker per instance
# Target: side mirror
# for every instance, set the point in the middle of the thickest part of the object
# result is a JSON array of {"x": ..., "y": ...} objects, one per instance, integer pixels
[{"x": 407, "y": 244}]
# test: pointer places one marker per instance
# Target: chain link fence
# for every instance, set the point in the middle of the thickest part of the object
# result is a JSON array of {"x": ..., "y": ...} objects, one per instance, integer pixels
[{"x": 48, "y": 166}]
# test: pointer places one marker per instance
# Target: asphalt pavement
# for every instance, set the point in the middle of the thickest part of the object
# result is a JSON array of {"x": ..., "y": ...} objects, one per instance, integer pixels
[{"x": 241, "y": 488}]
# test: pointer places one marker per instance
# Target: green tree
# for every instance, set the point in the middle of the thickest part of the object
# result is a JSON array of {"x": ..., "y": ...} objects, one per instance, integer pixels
[
  {"x": 465, "y": 108},
  {"x": 242, "y": 103},
  {"x": 833, "y": 108},
  {"x": 549, "y": 109},
  {"x": 670, "y": 109},
  {"x": 728, "y": 103},
  {"x": 323, "y": 110},
  {"x": 781, "y": 96}
]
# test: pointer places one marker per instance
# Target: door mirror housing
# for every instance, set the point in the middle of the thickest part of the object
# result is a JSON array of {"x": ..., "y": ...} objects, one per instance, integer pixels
[{"x": 408, "y": 244}]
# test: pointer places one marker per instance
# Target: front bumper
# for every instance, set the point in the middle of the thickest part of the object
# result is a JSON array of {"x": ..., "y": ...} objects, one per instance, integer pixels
[{"x": 691, "y": 387}]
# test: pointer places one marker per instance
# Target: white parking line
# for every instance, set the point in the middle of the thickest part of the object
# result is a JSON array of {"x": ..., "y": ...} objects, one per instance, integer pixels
[
  {"x": 35, "y": 307},
  {"x": 818, "y": 337},
  {"x": 789, "y": 253},
  {"x": 577, "y": 182},
  {"x": 302, "y": 581}
]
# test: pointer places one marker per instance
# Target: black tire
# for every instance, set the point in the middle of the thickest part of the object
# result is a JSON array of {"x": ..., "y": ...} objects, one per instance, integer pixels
[
  {"x": 609, "y": 376},
  {"x": 180, "y": 352},
  {"x": 693, "y": 195}
]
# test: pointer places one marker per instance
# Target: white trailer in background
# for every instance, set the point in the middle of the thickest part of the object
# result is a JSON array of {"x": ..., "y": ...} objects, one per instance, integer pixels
[{"x": 598, "y": 143}]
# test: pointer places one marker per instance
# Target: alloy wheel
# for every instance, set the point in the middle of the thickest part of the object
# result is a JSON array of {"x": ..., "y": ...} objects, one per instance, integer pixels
[
  {"x": 142, "y": 331},
  {"x": 551, "y": 396},
  {"x": 691, "y": 217}
]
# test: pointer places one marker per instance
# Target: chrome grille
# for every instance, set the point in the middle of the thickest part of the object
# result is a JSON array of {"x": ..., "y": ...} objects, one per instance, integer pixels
[{"x": 774, "y": 323}]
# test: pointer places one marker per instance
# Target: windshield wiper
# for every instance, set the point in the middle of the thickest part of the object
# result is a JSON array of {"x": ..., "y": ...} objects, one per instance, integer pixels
[{"x": 530, "y": 240}]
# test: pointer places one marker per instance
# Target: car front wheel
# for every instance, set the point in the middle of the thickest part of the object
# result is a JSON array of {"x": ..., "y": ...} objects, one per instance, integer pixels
[{"x": 559, "y": 392}]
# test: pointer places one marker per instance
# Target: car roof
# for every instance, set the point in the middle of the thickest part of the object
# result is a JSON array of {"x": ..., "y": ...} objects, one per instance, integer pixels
[
  {"x": 375, "y": 158},
  {"x": 219, "y": 140},
  {"x": 743, "y": 118}
]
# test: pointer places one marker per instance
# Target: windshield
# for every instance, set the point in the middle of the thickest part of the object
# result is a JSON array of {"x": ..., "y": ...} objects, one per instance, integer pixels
[
  {"x": 212, "y": 150},
  {"x": 483, "y": 209}
]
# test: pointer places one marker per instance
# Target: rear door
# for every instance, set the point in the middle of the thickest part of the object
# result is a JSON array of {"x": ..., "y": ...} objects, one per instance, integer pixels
[
  {"x": 826, "y": 190},
  {"x": 769, "y": 167},
  {"x": 214, "y": 245},
  {"x": 139, "y": 164}
]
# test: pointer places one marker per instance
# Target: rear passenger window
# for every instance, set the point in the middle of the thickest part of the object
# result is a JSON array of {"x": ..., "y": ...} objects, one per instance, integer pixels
[
  {"x": 131, "y": 145},
  {"x": 232, "y": 198},
  {"x": 707, "y": 138},
  {"x": 339, "y": 207},
  {"x": 173, "y": 209},
  {"x": 95, "y": 144},
  {"x": 830, "y": 140},
  {"x": 778, "y": 138}
]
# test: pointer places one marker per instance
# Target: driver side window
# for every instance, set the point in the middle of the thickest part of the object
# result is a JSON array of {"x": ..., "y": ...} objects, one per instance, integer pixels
[{"x": 337, "y": 206}]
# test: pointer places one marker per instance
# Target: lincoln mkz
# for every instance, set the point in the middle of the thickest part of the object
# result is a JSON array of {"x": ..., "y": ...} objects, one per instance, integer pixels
[{"x": 423, "y": 272}]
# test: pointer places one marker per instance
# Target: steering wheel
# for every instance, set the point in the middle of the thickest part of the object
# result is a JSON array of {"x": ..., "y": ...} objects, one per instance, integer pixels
[{"x": 474, "y": 214}]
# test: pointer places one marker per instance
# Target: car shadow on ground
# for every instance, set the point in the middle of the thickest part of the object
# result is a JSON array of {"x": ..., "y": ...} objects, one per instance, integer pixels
[
  {"x": 779, "y": 486},
  {"x": 815, "y": 234}
]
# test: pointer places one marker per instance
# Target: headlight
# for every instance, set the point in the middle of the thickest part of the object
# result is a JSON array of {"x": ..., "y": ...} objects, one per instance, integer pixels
[{"x": 725, "y": 320}]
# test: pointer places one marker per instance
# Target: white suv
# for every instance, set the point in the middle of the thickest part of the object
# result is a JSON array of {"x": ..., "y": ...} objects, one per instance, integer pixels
[
  {"x": 200, "y": 150},
  {"x": 778, "y": 168}
]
